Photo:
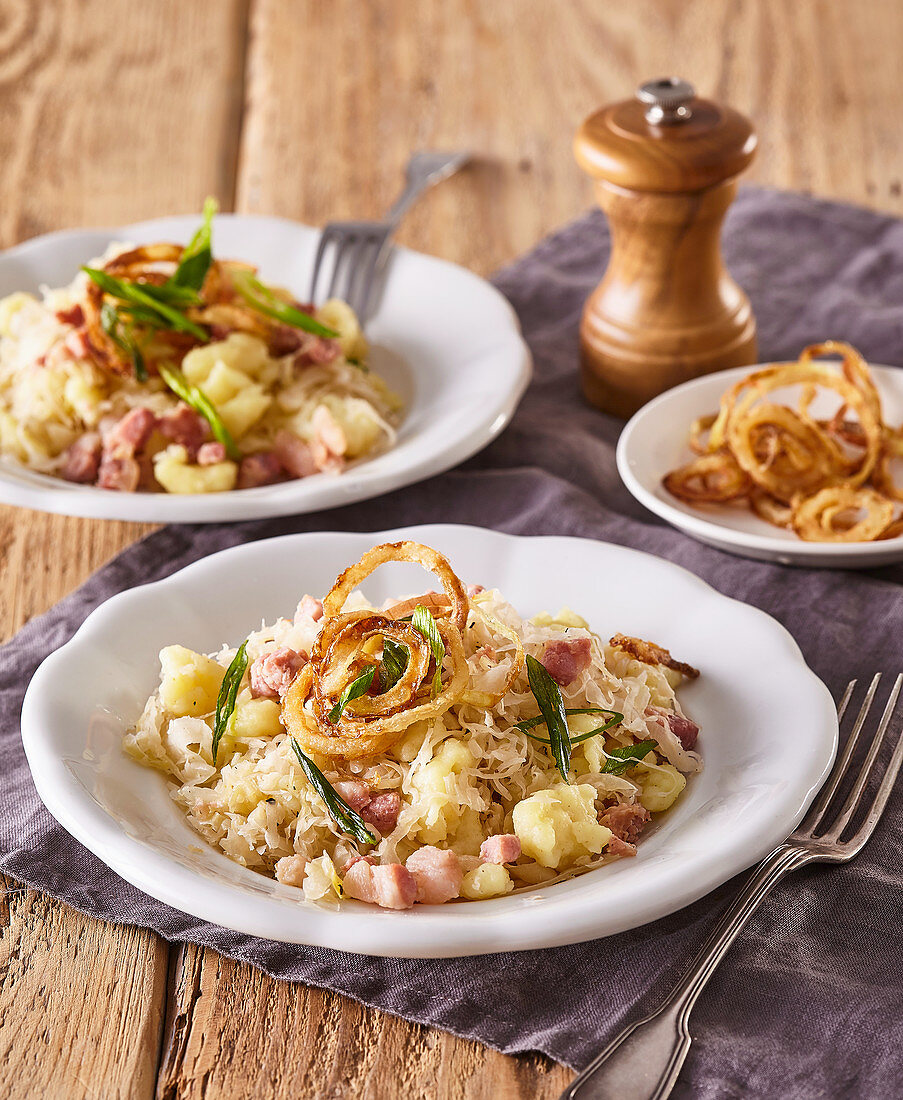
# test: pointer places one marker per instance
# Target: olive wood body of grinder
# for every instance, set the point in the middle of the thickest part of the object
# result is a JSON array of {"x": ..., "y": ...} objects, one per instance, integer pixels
[{"x": 666, "y": 166}]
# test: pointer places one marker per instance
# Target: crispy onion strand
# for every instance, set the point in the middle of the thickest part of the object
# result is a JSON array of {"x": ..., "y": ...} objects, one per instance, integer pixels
[
  {"x": 151, "y": 265},
  {"x": 826, "y": 480},
  {"x": 830, "y": 515},
  {"x": 350, "y": 641}
]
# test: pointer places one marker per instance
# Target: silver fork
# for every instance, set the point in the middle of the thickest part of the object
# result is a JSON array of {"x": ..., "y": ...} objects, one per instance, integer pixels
[
  {"x": 644, "y": 1060},
  {"x": 362, "y": 248}
]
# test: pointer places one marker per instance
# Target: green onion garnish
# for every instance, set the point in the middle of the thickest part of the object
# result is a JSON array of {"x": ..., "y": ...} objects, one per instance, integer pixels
[
  {"x": 225, "y": 702},
  {"x": 425, "y": 624},
  {"x": 197, "y": 257},
  {"x": 266, "y": 301},
  {"x": 122, "y": 334},
  {"x": 150, "y": 297},
  {"x": 202, "y": 404},
  {"x": 393, "y": 664},
  {"x": 548, "y": 698},
  {"x": 529, "y": 723},
  {"x": 349, "y": 821},
  {"x": 352, "y": 691},
  {"x": 620, "y": 759}
]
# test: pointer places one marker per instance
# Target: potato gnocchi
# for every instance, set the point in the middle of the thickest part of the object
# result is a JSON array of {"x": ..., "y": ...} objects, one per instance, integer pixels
[{"x": 472, "y": 803}]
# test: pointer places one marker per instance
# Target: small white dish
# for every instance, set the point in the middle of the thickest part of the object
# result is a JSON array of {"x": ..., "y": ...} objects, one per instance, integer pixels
[
  {"x": 769, "y": 734},
  {"x": 654, "y": 442},
  {"x": 443, "y": 338}
]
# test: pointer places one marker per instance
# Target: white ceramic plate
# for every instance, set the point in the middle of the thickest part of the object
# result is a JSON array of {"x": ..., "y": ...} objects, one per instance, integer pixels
[
  {"x": 655, "y": 442},
  {"x": 443, "y": 338},
  {"x": 754, "y": 698}
]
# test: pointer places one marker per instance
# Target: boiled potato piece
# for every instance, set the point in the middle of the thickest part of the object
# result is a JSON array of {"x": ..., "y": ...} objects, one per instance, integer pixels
[
  {"x": 557, "y": 825},
  {"x": 239, "y": 350},
  {"x": 224, "y": 382},
  {"x": 340, "y": 317},
  {"x": 661, "y": 787},
  {"x": 243, "y": 410},
  {"x": 489, "y": 880},
  {"x": 355, "y": 417},
  {"x": 256, "y": 718},
  {"x": 177, "y": 475},
  {"x": 189, "y": 681},
  {"x": 565, "y": 617},
  {"x": 432, "y": 783}
]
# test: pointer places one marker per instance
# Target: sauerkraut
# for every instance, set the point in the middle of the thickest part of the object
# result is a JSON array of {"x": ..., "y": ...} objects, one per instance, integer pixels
[
  {"x": 285, "y": 403},
  {"x": 477, "y": 794}
]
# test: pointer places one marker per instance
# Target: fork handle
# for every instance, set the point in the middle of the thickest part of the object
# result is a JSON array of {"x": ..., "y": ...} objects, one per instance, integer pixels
[
  {"x": 423, "y": 170},
  {"x": 643, "y": 1062}
]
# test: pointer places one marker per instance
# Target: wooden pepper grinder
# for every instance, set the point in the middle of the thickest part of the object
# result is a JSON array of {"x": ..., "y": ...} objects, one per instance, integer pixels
[{"x": 665, "y": 165}]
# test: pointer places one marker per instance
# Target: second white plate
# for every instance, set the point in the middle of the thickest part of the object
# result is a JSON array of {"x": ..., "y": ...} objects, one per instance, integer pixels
[
  {"x": 443, "y": 338},
  {"x": 655, "y": 442}
]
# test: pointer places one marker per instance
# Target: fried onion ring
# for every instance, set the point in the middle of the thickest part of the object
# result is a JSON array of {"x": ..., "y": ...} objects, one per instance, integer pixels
[
  {"x": 798, "y": 458},
  {"x": 352, "y": 736},
  {"x": 794, "y": 471},
  {"x": 824, "y": 517},
  {"x": 357, "y": 633},
  {"x": 430, "y": 559},
  {"x": 770, "y": 508},
  {"x": 349, "y": 642},
  {"x": 714, "y": 477},
  {"x": 218, "y": 308}
]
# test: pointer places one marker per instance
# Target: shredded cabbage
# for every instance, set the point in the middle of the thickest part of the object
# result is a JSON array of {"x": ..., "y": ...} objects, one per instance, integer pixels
[{"x": 459, "y": 776}]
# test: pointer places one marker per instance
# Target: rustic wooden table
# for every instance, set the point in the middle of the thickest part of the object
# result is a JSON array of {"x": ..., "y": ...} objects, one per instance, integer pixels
[{"x": 111, "y": 113}]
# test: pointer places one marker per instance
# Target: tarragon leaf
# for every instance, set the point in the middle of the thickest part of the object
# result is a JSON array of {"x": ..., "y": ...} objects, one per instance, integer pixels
[
  {"x": 197, "y": 257},
  {"x": 343, "y": 815},
  {"x": 225, "y": 702},
  {"x": 528, "y": 724},
  {"x": 393, "y": 664},
  {"x": 425, "y": 624},
  {"x": 353, "y": 691},
  {"x": 202, "y": 404},
  {"x": 123, "y": 336},
  {"x": 145, "y": 295},
  {"x": 624, "y": 757},
  {"x": 548, "y": 698},
  {"x": 264, "y": 300}
]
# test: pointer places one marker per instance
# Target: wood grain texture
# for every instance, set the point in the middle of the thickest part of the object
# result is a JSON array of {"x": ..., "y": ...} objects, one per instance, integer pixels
[
  {"x": 81, "y": 1011},
  {"x": 233, "y": 1032},
  {"x": 511, "y": 82},
  {"x": 307, "y": 108},
  {"x": 110, "y": 115},
  {"x": 104, "y": 118}
]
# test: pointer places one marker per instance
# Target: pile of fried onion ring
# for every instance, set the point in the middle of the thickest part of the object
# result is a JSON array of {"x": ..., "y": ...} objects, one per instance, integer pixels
[
  {"x": 828, "y": 480},
  {"x": 219, "y": 307},
  {"x": 350, "y": 641}
]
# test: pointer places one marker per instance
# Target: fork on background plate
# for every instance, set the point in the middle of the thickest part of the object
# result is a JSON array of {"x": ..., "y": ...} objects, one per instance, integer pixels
[
  {"x": 360, "y": 249},
  {"x": 643, "y": 1062}
]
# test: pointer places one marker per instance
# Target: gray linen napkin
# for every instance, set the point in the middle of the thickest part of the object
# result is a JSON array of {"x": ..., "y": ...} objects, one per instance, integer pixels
[{"x": 810, "y": 1000}]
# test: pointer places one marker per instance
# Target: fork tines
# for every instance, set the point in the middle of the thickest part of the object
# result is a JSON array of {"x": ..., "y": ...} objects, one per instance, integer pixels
[
  {"x": 360, "y": 250},
  {"x": 849, "y": 805}
]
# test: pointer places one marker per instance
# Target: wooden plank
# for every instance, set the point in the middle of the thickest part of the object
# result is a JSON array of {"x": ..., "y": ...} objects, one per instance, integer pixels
[
  {"x": 35, "y": 571},
  {"x": 81, "y": 1003},
  {"x": 237, "y": 1033},
  {"x": 109, "y": 115},
  {"x": 512, "y": 81},
  {"x": 105, "y": 116}
]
